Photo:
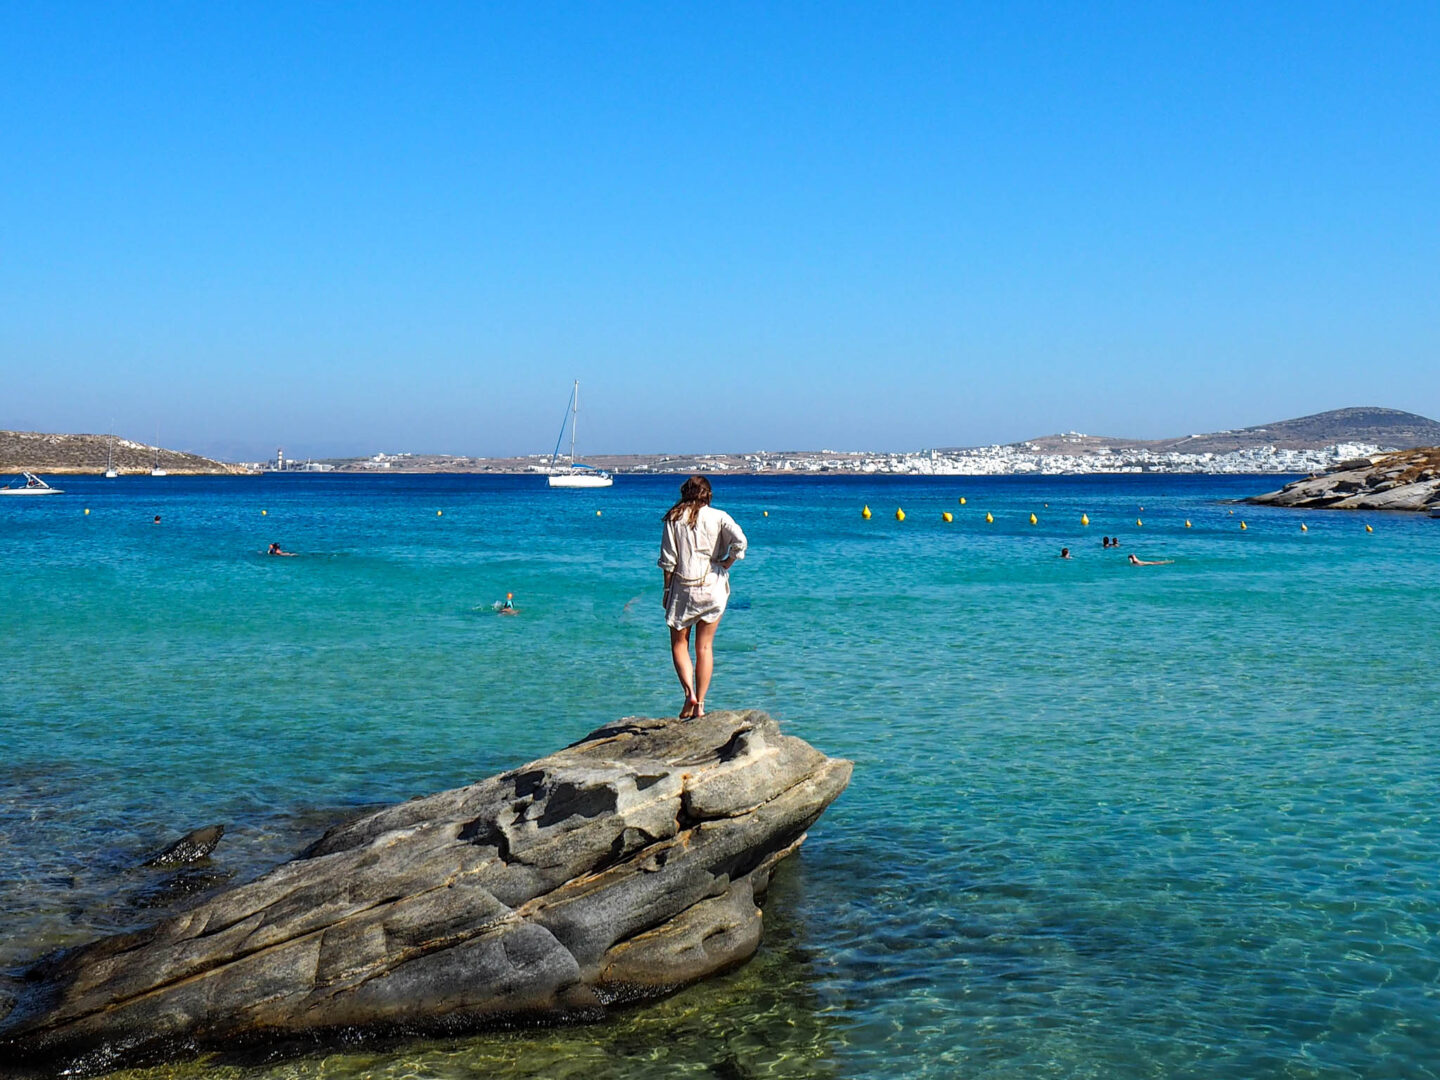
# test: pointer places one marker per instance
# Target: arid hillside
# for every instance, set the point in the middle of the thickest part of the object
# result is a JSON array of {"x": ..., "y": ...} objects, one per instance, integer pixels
[{"x": 39, "y": 452}]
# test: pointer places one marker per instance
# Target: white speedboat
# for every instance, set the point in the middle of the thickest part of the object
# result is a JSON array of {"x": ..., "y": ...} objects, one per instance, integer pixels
[
  {"x": 574, "y": 474},
  {"x": 30, "y": 484}
]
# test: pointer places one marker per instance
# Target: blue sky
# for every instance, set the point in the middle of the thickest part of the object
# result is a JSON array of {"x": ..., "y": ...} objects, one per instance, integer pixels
[{"x": 346, "y": 228}]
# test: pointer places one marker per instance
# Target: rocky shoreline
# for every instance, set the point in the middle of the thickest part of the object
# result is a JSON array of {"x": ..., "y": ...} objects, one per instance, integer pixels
[
  {"x": 619, "y": 869},
  {"x": 1406, "y": 480}
]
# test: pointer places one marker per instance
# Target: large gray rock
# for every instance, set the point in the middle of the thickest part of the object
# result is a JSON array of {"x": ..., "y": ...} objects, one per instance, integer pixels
[
  {"x": 618, "y": 869},
  {"x": 1407, "y": 480}
]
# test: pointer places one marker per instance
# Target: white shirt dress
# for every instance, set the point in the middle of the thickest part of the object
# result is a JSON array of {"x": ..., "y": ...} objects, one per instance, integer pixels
[{"x": 691, "y": 555}]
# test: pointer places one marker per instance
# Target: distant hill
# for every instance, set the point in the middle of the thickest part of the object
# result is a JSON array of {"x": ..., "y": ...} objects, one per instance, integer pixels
[
  {"x": 39, "y": 452},
  {"x": 1389, "y": 428}
]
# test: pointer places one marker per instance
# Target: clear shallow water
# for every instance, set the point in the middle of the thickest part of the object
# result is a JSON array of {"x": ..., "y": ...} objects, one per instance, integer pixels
[{"x": 1106, "y": 821}]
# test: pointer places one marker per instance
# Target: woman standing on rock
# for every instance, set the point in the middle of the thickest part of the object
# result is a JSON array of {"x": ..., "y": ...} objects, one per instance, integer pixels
[{"x": 697, "y": 549}]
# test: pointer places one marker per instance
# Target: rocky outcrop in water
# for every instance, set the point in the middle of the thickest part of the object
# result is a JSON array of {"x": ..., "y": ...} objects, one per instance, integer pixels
[
  {"x": 1408, "y": 480},
  {"x": 195, "y": 846},
  {"x": 621, "y": 868}
]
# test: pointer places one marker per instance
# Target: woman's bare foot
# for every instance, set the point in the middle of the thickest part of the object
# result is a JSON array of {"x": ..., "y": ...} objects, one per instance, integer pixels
[
  {"x": 699, "y": 709},
  {"x": 688, "y": 710}
]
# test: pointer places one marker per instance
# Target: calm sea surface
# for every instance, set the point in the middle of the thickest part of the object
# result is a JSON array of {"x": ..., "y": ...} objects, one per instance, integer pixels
[{"x": 1106, "y": 821}]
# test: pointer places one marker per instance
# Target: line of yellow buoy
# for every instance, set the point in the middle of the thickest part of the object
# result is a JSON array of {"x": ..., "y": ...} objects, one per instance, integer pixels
[{"x": 947, "y": 516}]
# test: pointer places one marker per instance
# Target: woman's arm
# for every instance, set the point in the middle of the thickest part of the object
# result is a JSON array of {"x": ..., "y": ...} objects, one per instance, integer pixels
[{"x": 734, "y": 540}]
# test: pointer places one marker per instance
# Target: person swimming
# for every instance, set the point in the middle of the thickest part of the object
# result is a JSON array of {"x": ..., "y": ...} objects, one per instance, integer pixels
[
  {"x": 507, "y": 606},
  {"x": 1148, "y": 562},
  {"x": 275, "y": 549},
  {"x": 1064, "y": 553}
]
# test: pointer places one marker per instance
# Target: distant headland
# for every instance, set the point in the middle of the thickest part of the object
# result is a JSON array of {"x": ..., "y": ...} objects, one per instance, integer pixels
[
  {"x": 1302, "y": 445},
  {"x": 42, "y": 452}
]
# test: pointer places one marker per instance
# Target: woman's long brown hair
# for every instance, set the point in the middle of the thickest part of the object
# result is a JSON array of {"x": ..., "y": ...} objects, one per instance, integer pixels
[{"x": 694, "y": 494}]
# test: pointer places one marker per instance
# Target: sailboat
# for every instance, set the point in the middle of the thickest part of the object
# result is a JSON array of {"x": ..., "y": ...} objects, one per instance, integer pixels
[
  {"x": 157, "y": 470},
  {"x": 110, "y": 473},
  {"x": 574, "y": 474}
]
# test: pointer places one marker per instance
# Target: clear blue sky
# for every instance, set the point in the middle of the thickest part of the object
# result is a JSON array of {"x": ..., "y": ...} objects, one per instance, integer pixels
[{"x": 350, "y": 227}]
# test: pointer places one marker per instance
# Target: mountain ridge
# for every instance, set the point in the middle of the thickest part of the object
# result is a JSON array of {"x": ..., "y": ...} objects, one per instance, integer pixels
[{"x": 1366, "y": 424}]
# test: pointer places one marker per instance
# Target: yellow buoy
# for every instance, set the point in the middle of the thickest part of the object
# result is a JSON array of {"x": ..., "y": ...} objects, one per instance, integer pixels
[
  {"x": 1369, "y": 529},
  {"x": 899, "y": 514},
  {"x": 439, "y": 512},
  {"x": 1243, "y": 525},
  {"x": 946, "y": 515},
  {"x": 87, "y": 511},
  {"x": 765, "y": 512},
  {"x": 962, "y": 500},
  {"x": 598, "y": 513},
  {"x": 989, "y": 518},
  {"x": 1084, "y": 519},
  {"x": 1034, "y": 520},
  {"x": 264, "y": 512},
  {"x": 1187, "y": 523},
  {"x": 1139, "y": 524},
  {"x": 865, "y": 513},
  {"x": 1304, "y": 528}
]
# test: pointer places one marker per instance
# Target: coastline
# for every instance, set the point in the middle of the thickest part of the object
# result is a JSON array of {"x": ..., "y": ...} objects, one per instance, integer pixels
[{"x": 1100, "y": 834}]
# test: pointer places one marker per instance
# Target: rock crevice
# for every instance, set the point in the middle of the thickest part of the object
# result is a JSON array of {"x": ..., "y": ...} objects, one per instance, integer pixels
[{"x": 618, "y": 869}]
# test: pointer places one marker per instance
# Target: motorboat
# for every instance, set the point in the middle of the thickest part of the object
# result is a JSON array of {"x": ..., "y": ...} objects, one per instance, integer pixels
[
  {"x": 30, "y": 484},
  {"x": 574, "y": 474}
]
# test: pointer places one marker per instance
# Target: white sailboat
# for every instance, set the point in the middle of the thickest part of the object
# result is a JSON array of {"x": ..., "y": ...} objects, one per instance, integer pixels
[
  {"x": 574, "y": 474},
  {"x": 157, "y": 470},
  {"x": 110, "y": 473}
]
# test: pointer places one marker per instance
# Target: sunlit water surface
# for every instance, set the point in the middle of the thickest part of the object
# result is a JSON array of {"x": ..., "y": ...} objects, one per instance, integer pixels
[{"x": 1106, "y": 821}]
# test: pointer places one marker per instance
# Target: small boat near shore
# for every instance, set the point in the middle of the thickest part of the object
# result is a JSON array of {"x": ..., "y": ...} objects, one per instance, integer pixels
[{"x": 30, "y": 484}]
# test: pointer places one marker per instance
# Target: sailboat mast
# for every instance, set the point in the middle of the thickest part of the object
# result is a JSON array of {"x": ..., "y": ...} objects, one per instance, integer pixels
[{"x": 574, "y": 416}]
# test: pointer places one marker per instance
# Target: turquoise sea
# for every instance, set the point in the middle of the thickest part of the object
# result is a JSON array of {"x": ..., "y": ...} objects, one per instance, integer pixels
[{"x": 1106, "y": 821}]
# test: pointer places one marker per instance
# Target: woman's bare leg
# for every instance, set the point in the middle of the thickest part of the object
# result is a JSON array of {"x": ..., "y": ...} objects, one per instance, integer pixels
[
  {"x": 704, "y": 661},
  {"x": 680, "y": 654}
]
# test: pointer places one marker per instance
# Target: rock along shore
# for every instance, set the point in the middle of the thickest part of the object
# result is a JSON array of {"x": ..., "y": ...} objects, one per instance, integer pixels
[
  {"x": 621, "y": 868},
  {"x": 1407, "y": 480}
]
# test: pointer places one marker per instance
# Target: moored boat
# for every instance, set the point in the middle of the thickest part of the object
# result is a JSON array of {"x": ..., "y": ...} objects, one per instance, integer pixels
[{"x": 574, "y": 474}]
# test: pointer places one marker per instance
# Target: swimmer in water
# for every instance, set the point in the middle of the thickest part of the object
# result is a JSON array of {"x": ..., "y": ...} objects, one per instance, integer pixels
[
  {"x": 507, "y": 606},
  {"x": 157, "y": 520},
  {"x": 275, "y": 549},
  {"x": 1064, "y": 553},
  {"x": 1149, "y": 562}
]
